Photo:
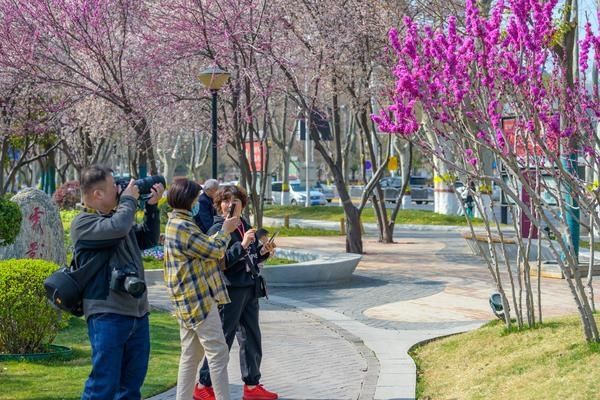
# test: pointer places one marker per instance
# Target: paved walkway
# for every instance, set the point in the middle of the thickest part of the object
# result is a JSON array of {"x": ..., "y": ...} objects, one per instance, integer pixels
[
  {"x": 301, "y": 355},
  {"x": 350, "y": 341}
]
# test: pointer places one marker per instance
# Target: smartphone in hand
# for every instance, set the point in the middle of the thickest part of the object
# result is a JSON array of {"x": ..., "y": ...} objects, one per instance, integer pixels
[
  {"x": 231, "y": 211},
  {"x": 273, "y": 237}
]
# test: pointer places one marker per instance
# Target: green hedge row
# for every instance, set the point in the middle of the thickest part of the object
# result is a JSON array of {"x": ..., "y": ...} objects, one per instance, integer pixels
[
  {"x": 10, "y": 221},
  {"x": 28, "y": 323}
]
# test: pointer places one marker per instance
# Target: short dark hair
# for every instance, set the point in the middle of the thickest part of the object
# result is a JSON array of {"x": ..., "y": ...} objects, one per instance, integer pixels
[
  {"x": 93, "y": 175},
  {"x": 229, "y": 191},
  {"x": 182, "y": 193}
]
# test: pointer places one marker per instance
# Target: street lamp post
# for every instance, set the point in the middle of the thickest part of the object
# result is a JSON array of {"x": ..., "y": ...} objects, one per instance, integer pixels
[{"x": 213, "y": 79}]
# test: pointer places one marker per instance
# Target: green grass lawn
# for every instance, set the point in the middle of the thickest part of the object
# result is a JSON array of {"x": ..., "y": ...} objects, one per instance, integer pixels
[
  {"x": 298, "y": 231},
  {"x": 64, "y": 379},
  {"x": 586, "y": 245},
  {"x": 279, "y": 261},
  {"x": 152, "y": 263},
  {"x": 549, "y": 362},
  {"x": 333, "y": 213}
]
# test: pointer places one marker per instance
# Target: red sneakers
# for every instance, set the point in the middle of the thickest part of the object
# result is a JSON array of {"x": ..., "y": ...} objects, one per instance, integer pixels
[
  {"x": 204, "y": 393},
  {"x": 258, "y": 393}
]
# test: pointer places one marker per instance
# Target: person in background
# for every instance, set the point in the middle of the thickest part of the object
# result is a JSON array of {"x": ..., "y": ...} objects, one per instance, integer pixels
[
  {"x": 203, "y": 210},
  {"x": 243, "y": 255},
  {"x": 196, "y": 287},
  {"x": 469, "y": 201}
]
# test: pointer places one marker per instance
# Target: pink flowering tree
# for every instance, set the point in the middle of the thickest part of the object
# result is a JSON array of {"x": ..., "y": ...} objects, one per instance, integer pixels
[
  {"x": 90, "y": 47},
  {"x": 28, "y": 132},
  {"x": 503, "y": 89},
  {"x": 341, "y": 44},
  {"x": 240, "y": 37}
]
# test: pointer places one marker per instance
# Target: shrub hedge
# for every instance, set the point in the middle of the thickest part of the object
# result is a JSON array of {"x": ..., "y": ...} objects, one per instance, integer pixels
[
  {"x": 67, "y": 195},
  {"x": 10, "y": 221},
  {"x": 28, "y": 323},
  {"x": 164, "y": 209}
]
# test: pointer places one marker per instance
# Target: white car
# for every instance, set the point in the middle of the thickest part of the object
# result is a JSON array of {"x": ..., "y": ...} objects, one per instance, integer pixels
[{"x": 298, "y": 194}]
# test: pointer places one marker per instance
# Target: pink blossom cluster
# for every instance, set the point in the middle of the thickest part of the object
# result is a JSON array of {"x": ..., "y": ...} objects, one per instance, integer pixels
[{"x": 504, "y": 63}]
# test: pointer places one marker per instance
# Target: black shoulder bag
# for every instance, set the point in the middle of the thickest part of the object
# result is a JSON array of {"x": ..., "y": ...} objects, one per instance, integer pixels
[
  {"x": 65, "y": 286},
  {"x": 260, "y": 285}
]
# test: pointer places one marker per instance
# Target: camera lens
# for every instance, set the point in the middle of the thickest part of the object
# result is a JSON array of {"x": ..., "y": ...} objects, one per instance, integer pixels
[
  {"x": 145, "y": 184},
  {"x": 134, "y": 286}
]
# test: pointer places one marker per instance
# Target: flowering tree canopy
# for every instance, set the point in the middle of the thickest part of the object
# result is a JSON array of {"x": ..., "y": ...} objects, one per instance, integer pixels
[
  {"x": 513, "y": 60},
  {"x": 507, "y": 63}
]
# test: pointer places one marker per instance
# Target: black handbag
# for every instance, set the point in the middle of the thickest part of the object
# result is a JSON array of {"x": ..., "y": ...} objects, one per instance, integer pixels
[{"x": 260, "y": 287}]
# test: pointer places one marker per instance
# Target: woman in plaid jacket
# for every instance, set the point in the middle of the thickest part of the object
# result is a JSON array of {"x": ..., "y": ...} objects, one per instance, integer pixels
[{"x": 196, "y": 287}]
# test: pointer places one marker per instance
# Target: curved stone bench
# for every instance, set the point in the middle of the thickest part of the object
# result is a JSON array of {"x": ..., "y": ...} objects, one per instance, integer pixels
[
  {"x": 314, "y": 268},
  {"x": 509, "y": 242}
]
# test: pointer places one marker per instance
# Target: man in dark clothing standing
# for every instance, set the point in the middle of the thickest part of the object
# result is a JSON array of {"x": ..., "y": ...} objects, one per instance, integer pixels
[
  {"x": 204, "y": 211},
  {"x": 117, "y": 317}
]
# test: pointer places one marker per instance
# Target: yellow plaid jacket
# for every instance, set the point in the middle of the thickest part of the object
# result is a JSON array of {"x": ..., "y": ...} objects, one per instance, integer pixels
[{"x": 192, "y": 274}]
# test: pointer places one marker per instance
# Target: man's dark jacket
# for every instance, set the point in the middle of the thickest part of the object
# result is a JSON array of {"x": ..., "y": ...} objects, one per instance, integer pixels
[
  {"x": 116, "y": 240},
  {"x": 206, "y": 213}
]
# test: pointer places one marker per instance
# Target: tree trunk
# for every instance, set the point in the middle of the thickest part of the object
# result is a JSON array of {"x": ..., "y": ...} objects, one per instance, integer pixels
[
  {"x": 405, "y": 167},
  {"x": 3, "y": 159},
  {"x": 285, "y": 194},
  {"x": 353, "y": 232},
  {"x": 168, "y": 158},
  {"x": 146, "y": 161}
]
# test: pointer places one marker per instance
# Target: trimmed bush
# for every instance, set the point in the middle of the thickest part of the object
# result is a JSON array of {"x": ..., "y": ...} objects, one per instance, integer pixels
[
  {"x": 10, "y": 221},
  {"x": 67, "y": 216},
  {"x": 28, "y": 323},
  {"x": 164, "y": 209},
  {"x": 67, "y": 196}
]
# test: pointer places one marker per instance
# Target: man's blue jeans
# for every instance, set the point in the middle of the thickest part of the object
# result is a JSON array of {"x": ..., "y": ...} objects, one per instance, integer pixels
[{"x": 120, "y": 352}]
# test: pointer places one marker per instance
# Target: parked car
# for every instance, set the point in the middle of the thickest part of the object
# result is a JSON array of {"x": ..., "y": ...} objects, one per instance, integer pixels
[
  {"x": 391, "y": 187},
  {"x": 326, "y": 190},
  {"x": 297, "y": 194},
  {"x": 420, "y": 191}
]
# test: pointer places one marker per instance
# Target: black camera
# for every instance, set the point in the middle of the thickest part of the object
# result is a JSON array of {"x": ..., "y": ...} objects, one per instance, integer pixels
[
  {"x": 126, "y": 280},
  {"x": 144, "y": 184}
]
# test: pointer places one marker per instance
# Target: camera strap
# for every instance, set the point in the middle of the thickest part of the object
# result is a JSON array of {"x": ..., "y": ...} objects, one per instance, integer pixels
[{"x": 91, "y": 210}]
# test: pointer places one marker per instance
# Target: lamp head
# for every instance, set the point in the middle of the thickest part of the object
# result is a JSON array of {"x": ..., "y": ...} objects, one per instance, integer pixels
[{"x": 214, "y": 78}]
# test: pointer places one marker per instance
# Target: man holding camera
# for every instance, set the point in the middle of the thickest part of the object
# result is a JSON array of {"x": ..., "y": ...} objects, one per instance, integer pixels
[{"x": 115, "y": 302}]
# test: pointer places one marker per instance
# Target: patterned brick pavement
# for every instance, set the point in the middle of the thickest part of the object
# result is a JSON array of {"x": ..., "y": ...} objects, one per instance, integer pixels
[{"x": 303, "y": 358}]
